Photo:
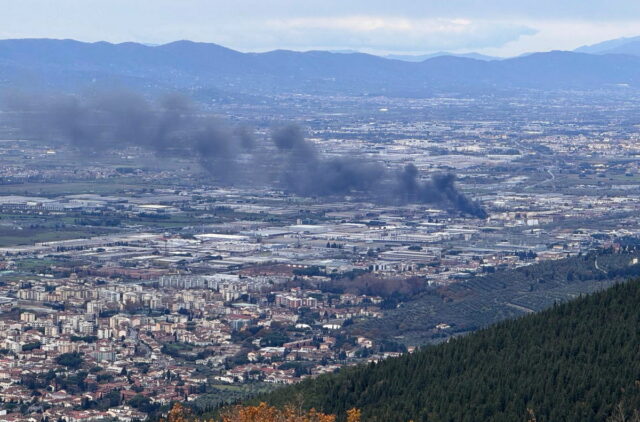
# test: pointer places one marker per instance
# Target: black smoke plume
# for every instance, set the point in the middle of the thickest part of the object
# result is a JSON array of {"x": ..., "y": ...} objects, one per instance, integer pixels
[
  {"x": 308, "y": 173},
  {"x": 172, "y": 126}
]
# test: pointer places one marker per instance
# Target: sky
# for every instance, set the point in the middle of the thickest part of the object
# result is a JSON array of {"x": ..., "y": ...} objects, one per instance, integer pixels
[{"x": 495, "y": 27}]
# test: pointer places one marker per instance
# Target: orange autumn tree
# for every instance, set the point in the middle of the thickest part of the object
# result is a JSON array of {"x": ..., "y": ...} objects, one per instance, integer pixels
[
  {"x": 262, "y": 413},
  {"x": 265, "y": 413},
  {"x": 178, "y": 413},
  {"x": 354, "y": 415}
]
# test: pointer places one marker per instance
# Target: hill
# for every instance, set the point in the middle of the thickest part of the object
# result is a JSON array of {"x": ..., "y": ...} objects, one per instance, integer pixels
[
  {"x": 573, "y": 362},
  {"x": 215, "y": 70},
  {"x": 423, "y": 57},
  {"x": 632, "y": 48},
  {"x": 483, "y": 300},
  {"x": 629, "y": 45}
]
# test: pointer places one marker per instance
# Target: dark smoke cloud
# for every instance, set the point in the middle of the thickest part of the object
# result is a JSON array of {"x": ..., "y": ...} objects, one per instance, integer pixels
[
  {"x": 307, "y": 173},
  {"x": 169, "y": 127},
  {"x": 440, "y": 189},
  {"x": 172, "y": 126}
]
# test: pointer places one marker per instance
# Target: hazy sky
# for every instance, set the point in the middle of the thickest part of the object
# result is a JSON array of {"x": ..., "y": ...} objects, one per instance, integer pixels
[{"x": 498, "y": 27}]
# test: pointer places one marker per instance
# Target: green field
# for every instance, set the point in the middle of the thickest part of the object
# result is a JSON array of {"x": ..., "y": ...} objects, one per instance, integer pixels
[
  {"x": 109, "y": 187},
  {"x": 14, "y": 237}
]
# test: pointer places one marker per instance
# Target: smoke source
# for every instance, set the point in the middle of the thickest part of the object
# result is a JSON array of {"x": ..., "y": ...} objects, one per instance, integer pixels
[{"x": 172, "y": 126}]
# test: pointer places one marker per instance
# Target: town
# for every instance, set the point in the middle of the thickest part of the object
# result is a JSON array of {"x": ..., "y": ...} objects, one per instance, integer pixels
[{"x": 128, "y": 282}]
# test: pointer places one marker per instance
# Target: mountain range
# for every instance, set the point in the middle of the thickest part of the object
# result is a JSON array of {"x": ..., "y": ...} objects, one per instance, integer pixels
[
  {"x": 629, "y": 46},
  {"x": 423, "y": 57},
  {"x": 204, "y": 69}
]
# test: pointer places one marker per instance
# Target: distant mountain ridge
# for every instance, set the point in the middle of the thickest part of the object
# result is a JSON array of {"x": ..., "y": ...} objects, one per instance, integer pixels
[
  {"x": 423, "y": 57},
  {"x": 629, "y": 45},
  {"x": 202, "y": 67}
]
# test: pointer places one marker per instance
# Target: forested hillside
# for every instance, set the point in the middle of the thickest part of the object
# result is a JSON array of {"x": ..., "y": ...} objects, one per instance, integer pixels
[{"x": 572, "y": 362}]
